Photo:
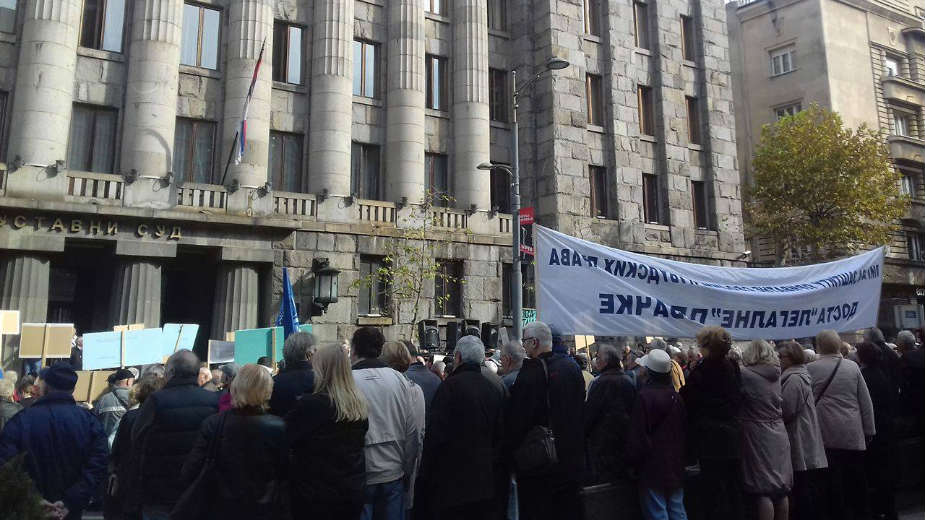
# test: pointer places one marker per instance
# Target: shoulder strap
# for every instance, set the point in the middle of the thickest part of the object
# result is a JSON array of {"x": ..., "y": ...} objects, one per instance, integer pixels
[
  {"x": 829, "y": 380},
  {"x": 546, "y": 379}
]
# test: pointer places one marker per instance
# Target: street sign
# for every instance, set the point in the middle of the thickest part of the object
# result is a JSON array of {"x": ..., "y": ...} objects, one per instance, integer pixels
[{"x": 526, "y": 218}]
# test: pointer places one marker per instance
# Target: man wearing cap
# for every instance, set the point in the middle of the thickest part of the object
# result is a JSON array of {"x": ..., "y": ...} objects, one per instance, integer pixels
[
  {"x": 112, "y": 405},
  {"x": 65, "y": 443},
  {"x": 654, "y": 444}
]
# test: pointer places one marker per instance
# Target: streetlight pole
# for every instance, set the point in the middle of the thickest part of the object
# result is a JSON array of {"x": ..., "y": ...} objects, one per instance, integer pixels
[{"x": 517, "y": 286}]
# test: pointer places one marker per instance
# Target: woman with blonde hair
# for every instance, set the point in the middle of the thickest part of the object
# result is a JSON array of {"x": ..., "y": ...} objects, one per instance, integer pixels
[
  {"x": 767, "y": 471},
  {"x": 251, "y": 454},
  {"x": 327, "y": 433}
]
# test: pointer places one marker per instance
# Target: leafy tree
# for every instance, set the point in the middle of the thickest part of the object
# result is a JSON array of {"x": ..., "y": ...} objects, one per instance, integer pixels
[
  {"x": 18, "y": 496},
  {"x": 822, "y": 188}
]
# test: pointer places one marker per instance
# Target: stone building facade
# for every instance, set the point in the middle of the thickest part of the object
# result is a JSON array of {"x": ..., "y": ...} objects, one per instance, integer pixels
[
  {"x": 864, "y": 59},
  {"x": 121, "y": 202}
]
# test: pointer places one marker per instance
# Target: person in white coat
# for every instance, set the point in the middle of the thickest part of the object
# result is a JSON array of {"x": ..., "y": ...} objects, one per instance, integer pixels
[{"x": 846, "y": 420}]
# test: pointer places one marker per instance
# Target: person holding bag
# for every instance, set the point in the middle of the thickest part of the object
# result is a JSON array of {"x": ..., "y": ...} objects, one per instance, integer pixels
[{"x": 239, "y": 465}]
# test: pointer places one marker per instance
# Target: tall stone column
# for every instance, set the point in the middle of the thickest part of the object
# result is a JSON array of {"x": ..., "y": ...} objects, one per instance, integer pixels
[
  {"x": 405, "y": 132},
  {"x": 23, "y": 287},
  {"x": 250, "y": 24},
  {"x": 471, "y": 128},
  {"x": 236, "y": 299},
  {"x": 45, "y": 81},
  {"x": 331, "y": 97},
  {"x": 136, "y": 293},
  {"x": 151, "y": 97}
]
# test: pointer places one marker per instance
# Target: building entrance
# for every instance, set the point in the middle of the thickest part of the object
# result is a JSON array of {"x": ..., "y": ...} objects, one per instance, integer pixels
[
  {"x": 189, "y": 291},
  {"x": 80, "y": 286}
]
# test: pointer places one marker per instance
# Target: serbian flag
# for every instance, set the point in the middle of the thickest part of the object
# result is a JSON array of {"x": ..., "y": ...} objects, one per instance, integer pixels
[{"x": 242, "y": 141}]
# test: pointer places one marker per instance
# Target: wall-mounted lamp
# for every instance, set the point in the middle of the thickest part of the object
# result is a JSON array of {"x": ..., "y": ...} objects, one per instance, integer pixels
[
  {"x": 56, "y": 168},
  {"x": 130, "y": 176},
  {"x": 323, "y": 196},
  {"x": 167, "y": 179},
  {"x": 325, "y": 291},
  {"x": 350, "y": 199},
  {"x": 401, "y": 204},
  {"x": 265, "y": 189},
  {"x": 234, "y": 186},
  {"x": 472, "y": 209}
]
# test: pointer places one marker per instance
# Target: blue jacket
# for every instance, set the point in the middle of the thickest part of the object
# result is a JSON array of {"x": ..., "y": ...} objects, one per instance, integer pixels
[{"x": 66, "y": 448}]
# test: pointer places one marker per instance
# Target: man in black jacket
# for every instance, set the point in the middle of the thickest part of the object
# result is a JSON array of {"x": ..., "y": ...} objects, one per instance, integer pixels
[
  {"x": 607, "y": 417},
  {"x": 297, "y": 378},
  {"x": 461, "y": 466},
  {"x": 165, "y": 431},
  {"x": 553, "y": 495}
]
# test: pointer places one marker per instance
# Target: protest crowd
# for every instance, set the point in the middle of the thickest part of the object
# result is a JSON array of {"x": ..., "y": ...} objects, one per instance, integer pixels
[{"x": 379, "y": 430}]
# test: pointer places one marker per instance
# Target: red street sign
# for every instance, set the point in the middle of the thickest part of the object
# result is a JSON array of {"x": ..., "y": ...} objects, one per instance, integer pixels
[{"x": 526, "y": 216}]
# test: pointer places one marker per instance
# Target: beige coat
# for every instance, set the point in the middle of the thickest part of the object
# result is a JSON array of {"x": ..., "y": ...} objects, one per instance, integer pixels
[
  {"x": 845, "y": 411},
  {"x": 806, "y": 449}
]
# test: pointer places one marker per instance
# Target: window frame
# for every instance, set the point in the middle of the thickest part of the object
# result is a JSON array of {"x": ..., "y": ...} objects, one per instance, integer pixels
[
  {"x": 688, "y": 38},
  {"x": 701, "y": 205},
  {"x": 441, "y": 87},
  {"x": 907, "y": 118},
  {"x": 694, "y": 128},
  {"x": 500, "y": 185},
  {"x": 897, "y": 60},
  {"x": 787, "y": 110},
  {"x": 15, "y": 14},
  {"x": 597, "y": 178},
  {"x": 4, "y": 112},
  {"x": 377, "y": 58},
  {"x": 196, "y": 123},
  {"x": 646, "y": 102},
  {"x": 651, "y": 203},
  {"x": 790, "y": 52},
  {"x": 594, "y": 92},
  {"x": 377, "y": 292},
  {"x": 284, "y": 59},
  {"x": 500, "y": 7},
  {"x": 593, "y": 17},
  {"x": 449, "y": 277},
  {"x": 429, "y": 178},
  {"x": 358, "y": 179},
  {"x": 642, "y": 38},
  {"x": 99, "y": 32},
  {"x": 430, "y": 7},
  {"x": 95, "y": 110},
  {"x": 915, "y": 246},
  {"x": 286, "y": 138},
  {"x": 498, "y": 104},
  {"x": 218, "y": 40}
]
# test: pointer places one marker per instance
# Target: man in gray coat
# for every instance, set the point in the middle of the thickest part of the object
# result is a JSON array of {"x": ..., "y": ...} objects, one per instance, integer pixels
[{"x": 112, "y": 405}]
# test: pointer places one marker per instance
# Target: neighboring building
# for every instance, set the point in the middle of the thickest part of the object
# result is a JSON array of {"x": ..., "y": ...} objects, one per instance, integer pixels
[
  {"x": 864, "y": 59},
  {"x": 117, "y": 119}
]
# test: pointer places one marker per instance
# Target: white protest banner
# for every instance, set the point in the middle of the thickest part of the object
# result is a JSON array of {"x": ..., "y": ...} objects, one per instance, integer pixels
[{"x": 587, "y": 288}]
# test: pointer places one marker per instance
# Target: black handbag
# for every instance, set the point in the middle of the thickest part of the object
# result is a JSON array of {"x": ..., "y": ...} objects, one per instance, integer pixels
[
  {"x": 195, "y": 502},
  {"x": 537, "y": 455}
]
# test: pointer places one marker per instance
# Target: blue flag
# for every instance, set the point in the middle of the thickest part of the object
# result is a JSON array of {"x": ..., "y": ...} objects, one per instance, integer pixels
[{"x": 288, "y": 318}]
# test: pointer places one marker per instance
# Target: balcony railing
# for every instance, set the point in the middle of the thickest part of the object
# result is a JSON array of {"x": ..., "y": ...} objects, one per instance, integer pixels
[
  {"x": 202, "y": 196},
  {"x": 294, "y": 204},
  {"x": 100, "y": 188},
  {"x": 376, "y": 212},
  {"x": 504, "y": 223},
  {"x": 2, "y": 182},
  {"x": 450, "y": 219}
]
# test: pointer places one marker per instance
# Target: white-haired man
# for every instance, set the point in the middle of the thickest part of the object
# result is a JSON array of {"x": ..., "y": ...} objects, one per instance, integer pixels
[
  {"x": 512, "y": 358},
  {"x": 549, "y": 392},
  {"x": 463, "y": 441}
]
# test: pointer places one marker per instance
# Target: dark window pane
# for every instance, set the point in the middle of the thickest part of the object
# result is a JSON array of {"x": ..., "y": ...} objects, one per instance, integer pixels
[
  {"x": 650, "y": 201},
  {"x": 701, "y": 214},
  {"x": 595, "y": 102},
  {"x": 641, "y": 23},
  {"x": 4, "y": 105},
  {"x": 92, "y": 139},
  {"x": 497, "y": 15},
  {"x": 276, "y": 160},
  {"x": 90, "y": 24},
  {"x": 182, "y": 149},
  {"x": 81, "y": 139},
  {"x": 104, "y": 141},
  {"x": 646, "y": 111},
  {"x": 437, "y": 181},
  {"x": 365, "y": 171},
  {"x": 497, "y": 93},
  {"x": 189, "y": 46},
  {"x": 598, "y": 178},
  {"x": 593, "y": 17},
  {"x": 688, "y": 47},
  {"x": 292, "y": 163},
  {"x": 287, "y": 53},
  {"x": 448, "y": 288},
  {"x": 693, "y": 120},
  {"x": 500, "y": 191}
]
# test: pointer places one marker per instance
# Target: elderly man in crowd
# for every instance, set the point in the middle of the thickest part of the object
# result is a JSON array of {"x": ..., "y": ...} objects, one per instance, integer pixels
[
  {"x": 112, "y": 405},
  {"x": 298, "y": 378},
  {"x": 512, "y": 359},
  {"x": 607, "y": 416},
  {"x": 165, "y": 431}
]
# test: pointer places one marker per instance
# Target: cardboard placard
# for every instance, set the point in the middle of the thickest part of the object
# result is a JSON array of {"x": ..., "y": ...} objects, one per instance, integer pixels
[
  {"x": 220, "y": 351},
  {"x": 9, "y": 322},
  {"x": 102, "y": 350},
  {"x": 142, "y": 347},
  {"x": 252, "y": 344},
  {"x": 99, "y": 384},
  {"x": 134, "y": 326},
  {"x": 46, "y": 340},
  {"x": 583, "y": 342},
  {"x": 32, "y": 340},
  {"x": 229, "y": 336},
  {"x": 82, "y": 389},
  {"x": 179, "y": 336}
]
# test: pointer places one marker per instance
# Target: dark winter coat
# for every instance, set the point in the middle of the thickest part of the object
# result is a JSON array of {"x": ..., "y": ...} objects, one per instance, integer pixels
[
  {"x": 766, "y": 466},
  {"x": 290, "y": 385},
  {"x": 713, "y": 399},
  {"x": 527, "y": 407},
  {"x": 427, "y": 380},
  {"x": 885, "y": 399},
  {"x": 462, "y": 443},
  {"x": 251, "y": 462},
  {"x": 328, "y": 458},
  {"x": 123, "y": 463},
  {"x": 913, "y": 368},
  {"x": 7, "y": 410},
  {"x": 164, "y": 433},
  {"x": 66, "y": 449},
  {"x": 655, "y": 445},
  {"x": 607, "y": 417}
]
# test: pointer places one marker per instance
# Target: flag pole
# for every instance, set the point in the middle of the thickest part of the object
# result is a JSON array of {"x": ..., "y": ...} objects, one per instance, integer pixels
[{"x": 234, "y": 144}]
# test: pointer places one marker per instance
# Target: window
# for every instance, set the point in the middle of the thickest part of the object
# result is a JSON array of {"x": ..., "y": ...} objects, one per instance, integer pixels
[
  {"x": 364, "y": 171},
  {"x": 891, "y": 66},
  {"x": 101, "y": 24},
  {"x": 693, "y": 120},
  {"x": 497, "y": 95},
  {"x": 373, "y": 297},
  {"x": 688, "y": 47},
  {"x": 701, "y": 213},
  {"x": 787, "y": 110},
  {"x": 595, "y": 100},
  {"x": 526, "y": 277},
  {"x": 436, "y": 83},
  {"x": 286, "y": 161},
  {"x": 641, "y": 24},
  {"x": 497, "y": 15},
  {"x": 598, "y": 177},
  {"x": 365, "y": 65},
  {"x": 448, "y": 288},
  {"x": 287, "y": 53},
  {"x": 915, "y": 245},
  {"x": 201, "y": 37},
  {"x": 782, "y": 61},
  {"x": 593, "y": 17},
  {"x": 193, "y": 150},
  {"x": 500, "y": 191},
  {"x": 907, "y": 185},
  {"x": 901, "y": 122},
  {"x": 650, "y": 202},
  {"x": 4, "y": 104},
  {"x": 92, "y": 144},
  {"x": 8, "y": 16},
  {"x": 434, "y": 6},
  {"x": 436, "y": 183},
  {"x": 646, "y": 111}
]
